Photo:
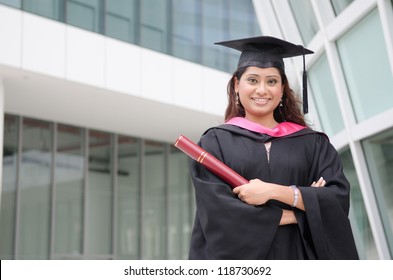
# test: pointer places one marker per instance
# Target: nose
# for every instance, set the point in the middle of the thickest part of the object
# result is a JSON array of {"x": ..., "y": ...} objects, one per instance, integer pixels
[{"x": 261, "y": 88}]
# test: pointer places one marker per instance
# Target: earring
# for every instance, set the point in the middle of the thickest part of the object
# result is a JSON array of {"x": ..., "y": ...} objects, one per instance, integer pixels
[
  {"x": 281, "y": 102},
  {"x": 237, "y": 99}
]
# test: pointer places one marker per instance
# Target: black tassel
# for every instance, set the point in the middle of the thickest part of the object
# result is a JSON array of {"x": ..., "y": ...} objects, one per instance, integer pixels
[{"x": 305, "y": 95}]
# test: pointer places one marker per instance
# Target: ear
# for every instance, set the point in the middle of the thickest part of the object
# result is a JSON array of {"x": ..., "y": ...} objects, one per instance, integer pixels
[{"x": 236, "y": 84}]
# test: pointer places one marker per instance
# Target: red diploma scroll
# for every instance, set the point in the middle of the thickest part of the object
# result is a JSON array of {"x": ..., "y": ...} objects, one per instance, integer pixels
[{"x": 210, "y": 162}]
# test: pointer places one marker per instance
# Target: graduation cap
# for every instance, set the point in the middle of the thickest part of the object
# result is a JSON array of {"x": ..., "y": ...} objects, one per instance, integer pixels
[{"x": 266, "y": 51}]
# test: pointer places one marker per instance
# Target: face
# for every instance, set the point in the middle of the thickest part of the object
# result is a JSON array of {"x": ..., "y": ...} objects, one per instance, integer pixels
[{"x": 260, "y": 91}]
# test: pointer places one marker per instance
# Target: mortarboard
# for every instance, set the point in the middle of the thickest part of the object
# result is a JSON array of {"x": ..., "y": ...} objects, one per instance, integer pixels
[{"x": 266, "y": 51}]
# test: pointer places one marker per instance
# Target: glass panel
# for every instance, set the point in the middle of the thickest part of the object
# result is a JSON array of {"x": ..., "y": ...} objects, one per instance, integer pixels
[
  {"x": 99, "y": 194},
  {"x": 46, "y": 8},
  {"x": 242, "y": 22},
  {"x": 85, "y": 14},
  {"x": 69, "y": 178},
  {"x": 180, "y": 201},
  {"x": 35, "y": 182},
  {"x": 340, "y": 5},
  {"x": 325, "y": 96},
  {"x": 8, "y": 191},
  {"x": 213, "y": 26},
  {"x": 357, "y": 212},
  {"x": 154, "y": 25},
  {"x": 305, "y": 18},
  {"x": 225, "y": 20},
  {"x": 186, "y": 29},
  {"x": 366, "y": 65},
  {"x": 120, "y": 20},
  {"x": 128, "y": 162},
  {"x": 154, "y": 211},
  {"x": 379, "y": 155},
  {"x": 12, "y": 3}
]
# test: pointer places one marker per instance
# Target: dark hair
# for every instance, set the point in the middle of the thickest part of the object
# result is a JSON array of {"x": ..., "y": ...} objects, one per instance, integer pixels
[{"x": 290, "y": 111}]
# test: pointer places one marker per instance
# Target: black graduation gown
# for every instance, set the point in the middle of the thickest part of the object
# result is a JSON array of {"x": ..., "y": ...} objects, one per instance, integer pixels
[{"x": 227, "y": 228}]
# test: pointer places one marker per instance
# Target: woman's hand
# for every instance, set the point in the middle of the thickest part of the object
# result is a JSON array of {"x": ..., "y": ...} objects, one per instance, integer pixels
[
  {"x": 320, "y": 183},
  {"x": 256, "y": 192}
]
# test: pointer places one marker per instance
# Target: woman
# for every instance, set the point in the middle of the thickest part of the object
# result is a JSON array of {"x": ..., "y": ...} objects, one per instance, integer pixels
[{"x": 296, "y": 203}]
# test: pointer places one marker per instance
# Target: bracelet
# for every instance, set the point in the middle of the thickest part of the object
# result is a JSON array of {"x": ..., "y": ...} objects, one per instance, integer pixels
[{"x": 295, "y": 195}]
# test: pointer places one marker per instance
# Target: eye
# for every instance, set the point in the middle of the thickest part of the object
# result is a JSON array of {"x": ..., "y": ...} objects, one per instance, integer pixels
[
  {"x": 272, "y": 82},
  {"x": 252, "y": 80}
]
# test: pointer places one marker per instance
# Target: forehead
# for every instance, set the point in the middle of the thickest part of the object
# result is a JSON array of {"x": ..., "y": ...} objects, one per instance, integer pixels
[{"x": 252, "y": 70}]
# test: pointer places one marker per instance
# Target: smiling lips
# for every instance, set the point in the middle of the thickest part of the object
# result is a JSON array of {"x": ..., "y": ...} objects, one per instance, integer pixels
[{"x": 260, "y": 100}]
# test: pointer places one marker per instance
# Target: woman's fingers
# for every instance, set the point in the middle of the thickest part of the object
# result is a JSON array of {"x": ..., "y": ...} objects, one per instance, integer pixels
[{"x": 320, "y": 183}]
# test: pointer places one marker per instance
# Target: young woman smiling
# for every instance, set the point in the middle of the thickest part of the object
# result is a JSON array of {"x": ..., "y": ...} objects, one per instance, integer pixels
[{"x": 297, "y": 192}]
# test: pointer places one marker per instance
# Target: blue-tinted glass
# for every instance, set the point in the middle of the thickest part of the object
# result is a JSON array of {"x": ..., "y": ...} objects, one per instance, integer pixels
[
  {"x": 128, "y": 198},
  {"x": 85, "y": 14},
  {"x": 340, "y": 5},
  {"x": 47, "y": 8},
  {"x": 121, "y": 20},
  {"x": 242, "y": 23},
  {"x": 305, "y": 19},
  {"x": 186, "y": 28},
  {"x": 154, "y": 201},
  {"x": 99, "y": 194},
  {"x": 154, "y": 25},
  {"x": 179, "y": 202},
  {"x": 364, "y": 238},
  {"x": 321, "y": 82},
  {"x": 12, "y": 3},
  {"x": 366, "y": 66},
  {"x": 225, "y": 20},
  {"x": 35, "y": 190},
  {"x": 213, "y": 26},
  {"x": 379, "y": 155},
  {"x": 8, "y": 191},
  {"x": 69, "y": 179}
]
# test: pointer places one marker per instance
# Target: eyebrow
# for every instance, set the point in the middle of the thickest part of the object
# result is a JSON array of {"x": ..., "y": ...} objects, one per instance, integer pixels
[{"x": 268, "y": 76}]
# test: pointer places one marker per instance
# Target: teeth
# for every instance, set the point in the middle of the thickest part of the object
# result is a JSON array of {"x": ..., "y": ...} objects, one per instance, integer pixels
[{"x": 260, "y": 99}]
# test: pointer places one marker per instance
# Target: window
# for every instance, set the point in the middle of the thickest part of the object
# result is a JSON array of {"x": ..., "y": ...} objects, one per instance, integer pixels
[
  {"x": 12, "y": 3},
  {"x": 154, "y": 202},
  {"x": 305, "y": 19},
  {"x": 226, "y": 20},
  {"x": 186, "y": 29},
  {"x": 357, "y": 212},
  {"x": 128, "y": 198},
  {"x": 47, "y": 8},
  {"x": 9, "y": 187},
  {"x": 325, "y": 96},
  {"x": 35, "y": 190},
  {"x": 99, "y": 195},
  {"x": 179, "y": 202},
  {"x": 379, "y": 155},
  {"x": 85, "y": 14},
  {"x": 340, "y": 5},
  {"x": 121, "y": 20},
  {"x": 75, "y": 193},
  {"x": 154, "y": 25},
  {"x": 69, "y": 186},
  {"x": 366, "y": 67}
]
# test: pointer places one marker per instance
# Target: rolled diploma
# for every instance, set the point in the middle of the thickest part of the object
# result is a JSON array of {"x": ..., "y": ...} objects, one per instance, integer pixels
[{"x": 210, "y": 162}]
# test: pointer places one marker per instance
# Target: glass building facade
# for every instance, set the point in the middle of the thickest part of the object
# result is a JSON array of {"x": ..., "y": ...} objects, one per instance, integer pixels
[{"x": 75, "y": 192}]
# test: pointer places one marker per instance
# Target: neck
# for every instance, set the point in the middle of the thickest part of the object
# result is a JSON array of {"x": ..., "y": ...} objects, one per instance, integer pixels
[{"x": 268, "y": 123}]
